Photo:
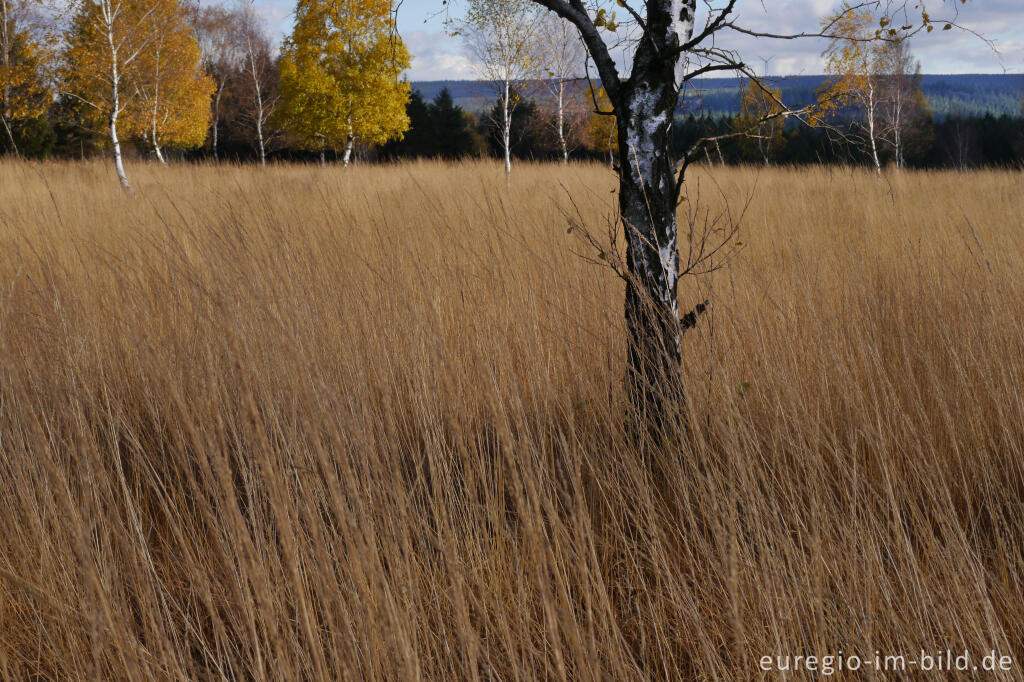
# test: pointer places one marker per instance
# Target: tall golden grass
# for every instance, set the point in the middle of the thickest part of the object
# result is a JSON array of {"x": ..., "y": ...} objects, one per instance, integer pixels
[{"x": 318, "y": 424}]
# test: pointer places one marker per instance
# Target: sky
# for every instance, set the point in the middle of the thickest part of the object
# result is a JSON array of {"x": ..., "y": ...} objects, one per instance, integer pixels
[{"x": 437, "y": 56}]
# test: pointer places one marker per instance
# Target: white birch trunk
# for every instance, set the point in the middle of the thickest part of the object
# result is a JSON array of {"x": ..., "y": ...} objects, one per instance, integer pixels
[
  {"x": 116, "y": 144},
  {"x": 156, "y": 114},
  {"x": 872, "y": 137},
  {"x": 897, "y": 124},
  {"x": 216, "y": 115},
  {"x": 506, "y": 129},
  {"x": 5, "y": 61},
  {"x": 648, "y": 199},
  {"x": 561, "y": 122},
  {"x": 350, "y": 143},
  {"x": 259, "y": 137},
  {"x": 260, "y": 114},
  {"x": 115, "y": 100}
]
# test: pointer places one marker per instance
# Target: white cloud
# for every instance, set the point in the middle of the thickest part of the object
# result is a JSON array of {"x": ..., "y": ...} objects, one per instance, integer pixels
[{"x": 438, "y": 56}]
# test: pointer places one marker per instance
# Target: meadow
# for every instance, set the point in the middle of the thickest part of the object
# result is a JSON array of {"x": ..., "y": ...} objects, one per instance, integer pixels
[{"x": 299, "y": 423}]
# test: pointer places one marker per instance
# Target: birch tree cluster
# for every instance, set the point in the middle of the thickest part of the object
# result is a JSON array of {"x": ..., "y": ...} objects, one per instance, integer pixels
[
  {"x": 874, "y": 81},
  {"x": 157, "y": 75},
  {"x": 134, "y": 67},
  {"x": 521, "y": 49}
]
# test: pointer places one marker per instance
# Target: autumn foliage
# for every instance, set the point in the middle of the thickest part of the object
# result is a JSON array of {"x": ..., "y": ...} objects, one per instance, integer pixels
[
  {"x": 340, "y": 73},
  {"x": 173, "y": 90}
]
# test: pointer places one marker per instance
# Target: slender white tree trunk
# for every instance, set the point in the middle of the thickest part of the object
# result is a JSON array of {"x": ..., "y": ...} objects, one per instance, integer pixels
[
  {"x": 561, "y": 122},
  {"x": 506, "y": 129},
  {"x": 350, "y": 143},
  {"x": 872, "y": 137},
  {"x": 5, "y": 61},
  {"x": 216, "y": 115},
  {"x": 259, "y": 137},
  {"x": 116, "y": 144},
  {"x": 155, "y": 117},
  {"x": 260, "y": 113},
  {"x": 897, "y": 125},
  {"x": 115, "y": 101}
]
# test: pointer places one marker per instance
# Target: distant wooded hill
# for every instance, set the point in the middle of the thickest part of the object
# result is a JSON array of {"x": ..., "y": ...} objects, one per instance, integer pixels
[{"x": 963, "y": 94}]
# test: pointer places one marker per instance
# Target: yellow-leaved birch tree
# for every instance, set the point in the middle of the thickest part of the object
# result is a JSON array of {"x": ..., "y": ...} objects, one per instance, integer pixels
[
  {"x": 761, "y": 121},
  {"x": 24, "y": 89},
  {"x": 100, "y": 63},
  {"x": 340, "y": 76},
  {"x": 852, "y": 62},
  {"x": 501, "y": 38},
  {"x": 173, "y": 92}
]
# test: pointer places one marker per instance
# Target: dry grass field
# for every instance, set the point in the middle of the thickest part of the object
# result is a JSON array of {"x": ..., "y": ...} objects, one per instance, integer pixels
[{"x": 306, "y": 424}]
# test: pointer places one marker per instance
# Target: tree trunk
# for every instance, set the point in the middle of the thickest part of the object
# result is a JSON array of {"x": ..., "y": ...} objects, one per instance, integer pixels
[
  {"x": 115, "y": 103},
  {"x": 216, "y": 116},
  {"x": 10, "y": 134},
  {"x": 323, "y": 160},
  {"x": 506, "y": 129},
  {"x": 156, "y": 142},
  {"x": 897, "y": 125},
  {"x": 561, "y": 122},
  {"x": 5, "y": 52},
  {"x": 116, "y": 144},
  {"x": 258, "y": 98},
  {"x": 349, "y": 144},
  {"x": 259, "y": 137},
  {"x": 647, "y": 202},
  {"x": 871, "y": 126}
]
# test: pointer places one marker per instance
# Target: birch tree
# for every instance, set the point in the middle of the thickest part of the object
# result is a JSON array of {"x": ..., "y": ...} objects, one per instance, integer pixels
[
  {"x": 107, "y": 41},
  {"x": 853, "y": 62},
  {"x": 172, "y": 90},
  {"x": 261, "y": 76},
  {"x": 500, "y": 37},
  {"x": 562, "y": 59},
  {"x": 670, "y": 46},
  {"x": 223, "y": 48},
  {"x": 340, "y": 72},
  {"x": 24, "y": 87},
  {"x": 761, "y": 121},
  {"x": 904, "y": 105}
]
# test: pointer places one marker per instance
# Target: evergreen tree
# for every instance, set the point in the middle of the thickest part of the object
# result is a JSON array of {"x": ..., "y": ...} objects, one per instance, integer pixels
[
  {"x": 451, "y": 127},
  {"x": 521, "y": 137}
]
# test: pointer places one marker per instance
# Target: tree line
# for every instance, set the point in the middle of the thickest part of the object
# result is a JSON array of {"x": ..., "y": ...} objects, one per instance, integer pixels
[
  {"x": 442, "y": 129},
  {"x": 170, "y": 77},
  {"x": 91, "y": 75}
]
